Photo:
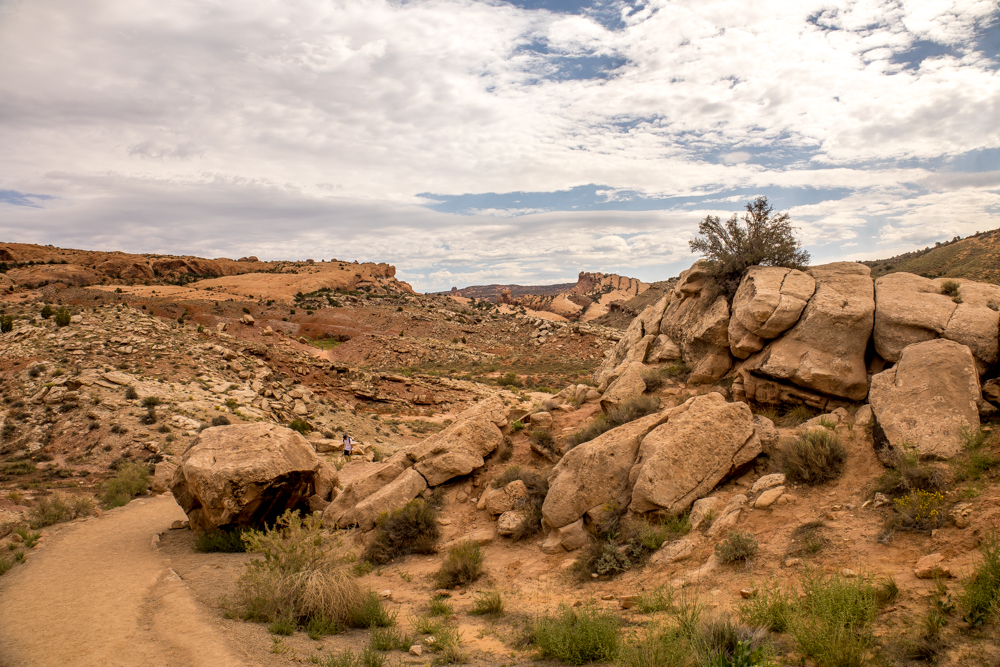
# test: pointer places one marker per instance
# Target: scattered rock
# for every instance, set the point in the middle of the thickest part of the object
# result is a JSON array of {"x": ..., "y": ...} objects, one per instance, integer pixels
[
  {"x": 767, "y": 482},
  {"x": 701, "y": 509},
  {"x": 673, "y": 552},
  {"x": 510, "y": 522},
  {"x": 769, "y": 497}
]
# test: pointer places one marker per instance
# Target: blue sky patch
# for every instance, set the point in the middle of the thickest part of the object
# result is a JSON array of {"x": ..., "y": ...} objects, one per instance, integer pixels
[{"x": 22, "y": 198}]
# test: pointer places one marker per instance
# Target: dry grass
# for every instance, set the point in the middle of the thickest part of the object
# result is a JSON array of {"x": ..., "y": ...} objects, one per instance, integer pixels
[
  {"x": 412, "y": 529},
  {"x": 630, "y": 410},
  {"x": 817, "y": 457}
]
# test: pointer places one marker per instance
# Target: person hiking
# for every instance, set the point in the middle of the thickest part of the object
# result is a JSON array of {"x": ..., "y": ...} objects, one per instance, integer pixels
[{"x": 348, "y": 445}]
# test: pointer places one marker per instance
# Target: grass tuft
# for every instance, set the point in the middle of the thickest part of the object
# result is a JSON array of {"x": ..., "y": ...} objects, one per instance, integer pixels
[
  {"x": 489, "y": 603},
  {"x": 463, "y": 565},
  {"x": 816, "y": 457},
  {"x": 630, "y": 410},
  {"x": 738, "y": 545},
  {"x": 578, "y": 637}
]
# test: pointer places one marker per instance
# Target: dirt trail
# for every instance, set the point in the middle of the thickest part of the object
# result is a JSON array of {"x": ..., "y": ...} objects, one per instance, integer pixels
[{"x": 100, "y": 593}]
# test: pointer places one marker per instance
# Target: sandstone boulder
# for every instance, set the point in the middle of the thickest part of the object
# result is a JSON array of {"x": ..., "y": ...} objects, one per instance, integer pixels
[
  {"x": 824, "y": 353},
  {"x": 568, "y": 538},
  {"x": 768, "y": 302},
  {"x": 704, "y": 441},
  {"x": 370, "y": 481},
  {"x": 697, "y": 320},
  {"x": 701, "y": 509},
  {"x": 926, "y": 400},
  {"x": 163, "y": 475},
  {"x": 512, "y": 521},
  {"x": 663, "y": 349},
  {"x": 506, "y": 499},
  {"x": 646, "y": 324},
  {"x": 460, "y": 448},
  {"x": 407, "y": 486},
  {"x": 628, "y": 385},
  {"x": 912, "y": 309},
  {"x": 244, "y": 475},
  {"x": 596, "y": 473}
]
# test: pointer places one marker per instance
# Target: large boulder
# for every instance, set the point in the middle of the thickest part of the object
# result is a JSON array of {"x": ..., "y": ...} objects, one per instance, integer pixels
[
  {"x": 646, "y": 324},
  {"x": 697, "y": 321},
  {"x": 393, "y": 495},
  {"x": 769, "y": 301},
  {"x": 912, "y": 309},
  {"x": 460, "y": 448},
  {"x": 244, "y": 475},
  {"x": 926, "y": 400},
  {"x": 364, "y": 485},
  {"x": 705, "y": 440},
  {"x": 823, "y": 355},
  {"x": 596, "y": 473}
]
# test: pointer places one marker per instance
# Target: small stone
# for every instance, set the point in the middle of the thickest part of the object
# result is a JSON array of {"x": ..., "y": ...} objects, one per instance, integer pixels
[
  {"x": 793, "y": 562},
  {"x": 607, "y": 597},
  {"x": 848, "y": 573},
  {"x": 444, "y": 522},
  {"x": 417, "y": 650},
  {"x": 178, "y": 525},
  {"x": 930, "y": 566},
  {"x": 386, "y": 594},
  {"x": 442, "y": 593},
  {"x": 461, "y": 496},
  {"x": 747, "y": 593},
  {"x": 626, "y": 601}
]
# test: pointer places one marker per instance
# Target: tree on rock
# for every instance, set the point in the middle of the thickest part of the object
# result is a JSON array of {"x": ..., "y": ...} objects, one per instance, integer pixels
[{"x": 760, "y": 237}]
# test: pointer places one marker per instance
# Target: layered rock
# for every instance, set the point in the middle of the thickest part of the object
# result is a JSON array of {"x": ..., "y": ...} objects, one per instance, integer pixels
[
  {"x": 460, "y": 448},
  {"x": 704, "y": 441},
  {"x": 912, "y": 309},
  {"x": 407, "y": 486},
  {"x": 697, "y": 320},
  {"x": 927, "y": 400},
  {"x": 244, "y": 475},
  {"x": 823, "y": 356}
]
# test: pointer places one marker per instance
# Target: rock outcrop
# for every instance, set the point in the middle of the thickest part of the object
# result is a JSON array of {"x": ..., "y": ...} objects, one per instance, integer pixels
[
  {"x": 768, "y": 302},
  {"x": 407, "y": 486},
  {"x": 926, "y": 400},
  {"x": 912, "y": 309},
  {"x": 460, "y": 448},
  {"x": 244, "y": 475}
]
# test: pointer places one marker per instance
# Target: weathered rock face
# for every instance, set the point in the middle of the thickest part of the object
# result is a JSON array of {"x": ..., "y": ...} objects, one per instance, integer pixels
[
  {"x": 596, "y": 473},
  {"x": 911, "y": 309},
  {"x": 926, "y": 399},
  {"x": 364, "y": 486},
  {"x": 244, "y": 475},
  {"x": 768, "y": 302},
  {"x": 697, "y": 321},
  {"x": 628, "y": 385},
  {"x": 646, "y": 324},
  {"x": 407, "y": 486},
  {"x": 823, "y": 355},
  {"x": 460, "y": 448},
  {"x": 680, "y": 461}
]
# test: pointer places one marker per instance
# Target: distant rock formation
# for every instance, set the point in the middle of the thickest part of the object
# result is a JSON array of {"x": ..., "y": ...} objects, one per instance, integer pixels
[{"x": 588, "y": 299}]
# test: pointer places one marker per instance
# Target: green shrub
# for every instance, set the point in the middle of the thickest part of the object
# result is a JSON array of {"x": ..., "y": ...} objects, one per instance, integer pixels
[
  {"x": 370, "y": 612},
  {"x": 130, "y": 393},
  {"x": 410, "y": 529},
  {"x": 660, "y": 598},
  {"x": 369, "y": 657},
  {"x": 22, "y": 467},
  {"x": 150, "y": 401},
  {"x": 907, "y": 475},
  {"x": 463, "y": 565},
  {"x": 543, "y": 439},
  {"x": 537, "y": 487},
  {"x": 738, "y": 545},
  {"x": 221, "y": 420},
  {"x": 488, "y": 603},
  {"x": 301, "y": 579},
  {"x": 517, "y": 425},
  {"x": 951, "y": 288},
  {"x": 6, "y": 323},
  {"x": 771, "y": 608},
  {"x": 657, "y": 646},
  {"x": 797, "y": 415},
  {"x": 835, "y": 619},
  {"x": 981, "y": 590},
  {"x": 509, "y": 379},
  {"x": 578, "y": 637},
  {"x": 62, "y": 317},
  {"x": 58, "y": 509},
  {"x": 816, "y": 457},
  {"x": 220, "y": 541},
  {"x": 388, "y": 639},
  {"x": 721, "y": 642},
  {"x": 920, "y": 510},
  {"x": 977, "y": 459},
  {"x": 46, "y": 312},
  {"x": 300, "y": 425},
  {"x": 438, "y": 606},
  {"x": 132, "y": 480}
]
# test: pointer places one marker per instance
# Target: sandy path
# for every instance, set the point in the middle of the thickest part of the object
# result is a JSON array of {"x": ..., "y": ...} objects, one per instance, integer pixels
[{"x": 100, "y": 593}]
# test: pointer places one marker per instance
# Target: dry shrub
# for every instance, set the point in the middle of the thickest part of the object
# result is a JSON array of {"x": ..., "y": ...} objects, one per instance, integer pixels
[
  {"x": 738, "y": 545},
  {"x": 817, "y": 457},
  {"x": 463, "y": 565},
  {"x": 630, "y": 410},
  {"x": 57, "y": 509},
  {"x": 907, "y": 475},
  {"x": 411, "y": 529}
]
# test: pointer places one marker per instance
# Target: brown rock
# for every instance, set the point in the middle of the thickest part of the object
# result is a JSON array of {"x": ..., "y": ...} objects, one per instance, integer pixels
[
  {"x": 768, "y": 302},
  {"x": 460, "y": 448},
  {"x": 627, "y": 386},
  {"x": 931, "y": 566},
  {"x": 364, "y": 485},
  {"x": 393, "y": 495}
]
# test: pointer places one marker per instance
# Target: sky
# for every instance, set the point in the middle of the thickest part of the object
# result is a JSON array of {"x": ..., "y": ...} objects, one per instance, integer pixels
[{"x": 478, "y": 141}]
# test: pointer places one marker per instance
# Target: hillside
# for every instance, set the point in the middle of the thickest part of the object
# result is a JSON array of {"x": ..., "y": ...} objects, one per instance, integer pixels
[{"x": 974, "y": 257}]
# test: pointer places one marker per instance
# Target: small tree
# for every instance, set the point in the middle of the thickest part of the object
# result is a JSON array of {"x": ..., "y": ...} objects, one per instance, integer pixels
[{"x": 760, "y": 237}]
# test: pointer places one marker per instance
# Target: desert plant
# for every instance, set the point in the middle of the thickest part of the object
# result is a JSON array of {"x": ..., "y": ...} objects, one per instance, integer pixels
[
  {"x": 771, "y": 608},
  {"x": 630, "y": 410},
  {"x": 131, "y": 480},
  {"x": 438, "y": 606},
  {"x": 6, "y": 323},
  {"x": 509, "y": 379},
  {"x": 58, "y": 509},
  {"x": 764, "y": 238},
  {"x": 300, "y": 425},
  {"x": 488, "y": 603},
  {"x": 835, "y": 619},
  {"x": 543, "y": 439},
  {"x": 738, "y": 545},
  {"x": 653, "y": 378},
  {"x": 797, "y": 415},
  {"x": 370, "y": 613},
  {"x": 660, "y": 598},
  {"x": 46, "y": 312},
  {"x": 130, "y": 393},
  {"x": 220, "y": 420},
  {"x": 980, "y": 594},
  {"x": 657, "y": 646},
  {"x": 463, "y": 565},
  {"x": 150, "y": 402},
  {"x": 816, "y": 457},
  {"x": 951, "y": 288},
  {"x": 410, "y": 529},
  {"x": 388, "y": 639},
  {"x": 517, "y": 425},
  {"x": 722, "y": 642},
  {"x": 578, "y": 637},
  {"x": 62, "y": 317},
  {"x": 921, "y": 510}
]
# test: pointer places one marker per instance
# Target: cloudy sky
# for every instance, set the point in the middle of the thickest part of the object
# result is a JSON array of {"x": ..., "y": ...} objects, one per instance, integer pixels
[{"x": 480, "y": 141}]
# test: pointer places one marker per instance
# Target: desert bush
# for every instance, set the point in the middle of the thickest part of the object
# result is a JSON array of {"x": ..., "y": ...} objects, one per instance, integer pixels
[
  {"x": 656, "y": 646},
  {"x": 653, "y": 378},
  {"x": 6, "y": 323},
  {"x": 771, "y": 608},
  {"x": 543, "y": 439},
  {"x": 130, "y": 393},
  {"x": 150, "y": 402},
  {"x": 369, "y": 613},
  {"x": 517, "y": 425},
  {"x": 301, "y": 426},
  {"x": 220, "y": 541},
  {"x": 22, "y": 467},
  {"x": 951, "y": 288},
  {"x": 920, "y": 510},
  {"x": 509, "y": 379},
  {"x": 300, "y": 581},
  {"x": 722, "y": 642},
  {"x": 660, "y": 598},
  {"x": 488, "y": 603},
  {"x": 833, "y": 625},
  {"x": 438, "y": 606},
  {"x": 630, "y": 410},
  {"x": 907, "y": 475},
  {"x": 816, "y": 457},
  {"x": 797, "y": 415},
  {"x": 578, "y": 637},
  {"x": 131, "y": 480},
  {"x": 46, "y": 312},
  {"x": 410, "y": 529},
  {"x": 62, "y": 317},
  {"x": 389, "y": 639},
  {"x": 980, "y": 594},
  {"x": 369, "y": 657},
  {"x": 977, "y": 458},
  {"x": 463, "y": 565},
  {"x": 537, "y": 487},
  {"x": 738, "y": 545},
  {"x": 221, "y": 420},
  {"x": 58, "y": 509}
]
